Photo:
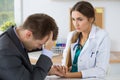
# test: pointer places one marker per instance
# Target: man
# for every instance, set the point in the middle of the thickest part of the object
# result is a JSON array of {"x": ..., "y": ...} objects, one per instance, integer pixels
[{"x": 16, "y": 42}]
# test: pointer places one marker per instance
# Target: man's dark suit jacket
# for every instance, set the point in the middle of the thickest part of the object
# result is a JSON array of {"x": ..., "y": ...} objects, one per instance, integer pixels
[{"x": 14, "y": 61}]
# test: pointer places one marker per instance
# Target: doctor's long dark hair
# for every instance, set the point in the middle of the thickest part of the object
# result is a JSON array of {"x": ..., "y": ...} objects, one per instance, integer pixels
[
  {"x": 87, "y": 10},
  {"x": 75, "y": 36}
]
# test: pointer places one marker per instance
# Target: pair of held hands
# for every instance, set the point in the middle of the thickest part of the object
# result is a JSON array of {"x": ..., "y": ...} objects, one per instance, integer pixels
[
  {"x": 58, "y": 70},
  {"x": 55, "y": 69}
]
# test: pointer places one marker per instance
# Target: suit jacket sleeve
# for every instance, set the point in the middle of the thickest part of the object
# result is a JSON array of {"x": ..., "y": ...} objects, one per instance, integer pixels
[
  {"x": 13, "y": 68},
  {"x": 42, "y": 67},
  {"x": 40, "y": 70}
]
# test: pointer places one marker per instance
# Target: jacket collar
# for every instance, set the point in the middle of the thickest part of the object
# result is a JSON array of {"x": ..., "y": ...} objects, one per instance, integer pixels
[
  {"x": 12, "y": 35},
  {"x": 16, "y": 41}
]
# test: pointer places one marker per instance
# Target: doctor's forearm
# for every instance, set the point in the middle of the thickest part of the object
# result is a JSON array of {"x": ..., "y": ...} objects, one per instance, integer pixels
[{"x": 73, "y": 75}]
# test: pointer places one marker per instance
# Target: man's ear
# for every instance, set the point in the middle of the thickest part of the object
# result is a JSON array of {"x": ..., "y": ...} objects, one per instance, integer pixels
[{"x": 28, "y": 34}]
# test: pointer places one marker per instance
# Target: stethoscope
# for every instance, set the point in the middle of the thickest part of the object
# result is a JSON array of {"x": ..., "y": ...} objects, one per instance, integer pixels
[{"x": 78, "y": 44}]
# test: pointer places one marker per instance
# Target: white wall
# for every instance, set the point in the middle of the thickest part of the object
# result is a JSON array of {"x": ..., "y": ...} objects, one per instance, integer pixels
[{"x": 59, "y": 10}]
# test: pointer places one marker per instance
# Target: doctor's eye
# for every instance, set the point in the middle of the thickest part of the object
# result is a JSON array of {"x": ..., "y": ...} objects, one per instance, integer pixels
[
  {"x": 73, "y": 19},
  {"x": 79, "y": 19}
]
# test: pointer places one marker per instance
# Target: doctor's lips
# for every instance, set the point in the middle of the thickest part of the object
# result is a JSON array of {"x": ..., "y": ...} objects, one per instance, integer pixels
[{"x": 77, "y": 28}]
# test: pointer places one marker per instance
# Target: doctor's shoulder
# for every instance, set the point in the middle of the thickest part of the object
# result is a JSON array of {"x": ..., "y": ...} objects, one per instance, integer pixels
[
  {"x": 71, "y": 34},
  {"x": 101, "y": 32}
]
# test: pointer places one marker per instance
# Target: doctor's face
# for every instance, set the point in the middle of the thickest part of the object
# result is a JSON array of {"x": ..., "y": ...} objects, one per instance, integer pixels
[{"x": 80, "y": 22}]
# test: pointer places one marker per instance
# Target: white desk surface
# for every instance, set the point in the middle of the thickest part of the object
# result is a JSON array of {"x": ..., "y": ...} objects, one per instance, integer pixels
[
  {"x": 36, "y": 55},
  {"x": 54, "y": 77}
]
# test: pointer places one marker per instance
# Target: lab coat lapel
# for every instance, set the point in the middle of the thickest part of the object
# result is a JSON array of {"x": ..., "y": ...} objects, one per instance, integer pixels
[
  {"x": 90, "y": 41},
  {"x": 85, "y": 47}
]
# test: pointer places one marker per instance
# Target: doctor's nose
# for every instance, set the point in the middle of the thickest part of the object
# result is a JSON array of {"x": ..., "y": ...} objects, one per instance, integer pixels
[{"x": 76, "y": 23}]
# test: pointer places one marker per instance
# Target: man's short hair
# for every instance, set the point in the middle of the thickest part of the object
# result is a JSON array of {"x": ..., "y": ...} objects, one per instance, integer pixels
[{"x": 41, "y": 25}]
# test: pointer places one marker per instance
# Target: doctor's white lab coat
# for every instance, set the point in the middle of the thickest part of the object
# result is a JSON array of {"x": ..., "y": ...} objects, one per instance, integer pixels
[{"x": 93, "y": 60}]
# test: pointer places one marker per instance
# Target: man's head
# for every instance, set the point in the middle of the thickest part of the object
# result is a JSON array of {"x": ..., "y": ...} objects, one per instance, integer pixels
[
  {"x": 36, "y": 30},
  {"x": 41, "y": 25}
]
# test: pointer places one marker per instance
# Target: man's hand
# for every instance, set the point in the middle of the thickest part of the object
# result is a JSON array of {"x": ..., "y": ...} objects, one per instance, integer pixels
[
  {"x": 58, "y": 70},
  {"x": 50, "y": 43}
]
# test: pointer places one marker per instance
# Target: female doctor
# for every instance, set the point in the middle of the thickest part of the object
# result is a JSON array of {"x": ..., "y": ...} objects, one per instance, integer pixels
[{"x": 88, "y": 47}]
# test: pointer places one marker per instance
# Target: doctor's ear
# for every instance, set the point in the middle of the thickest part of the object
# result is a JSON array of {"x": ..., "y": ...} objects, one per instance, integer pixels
[{"x": 91, "y": 20}]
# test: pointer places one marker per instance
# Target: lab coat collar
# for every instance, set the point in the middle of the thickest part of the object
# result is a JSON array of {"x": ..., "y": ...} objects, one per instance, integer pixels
[
  {"x": 90, "y": 38},
  {"x": 91, "y": 35},
  {"x": 92, "y": 32}
]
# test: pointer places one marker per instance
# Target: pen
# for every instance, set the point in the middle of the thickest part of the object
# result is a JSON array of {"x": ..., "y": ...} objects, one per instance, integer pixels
[{"x": 92, "y": 54}]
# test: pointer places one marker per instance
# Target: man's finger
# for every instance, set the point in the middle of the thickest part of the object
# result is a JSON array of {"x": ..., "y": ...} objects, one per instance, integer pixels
[{"x": 51, "y": 35}]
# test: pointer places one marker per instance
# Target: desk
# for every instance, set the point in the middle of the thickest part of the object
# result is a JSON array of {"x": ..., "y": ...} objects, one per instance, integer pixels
[
  {"x": 114, "y": 77},
  {"x": 56, "y": 59},
  {"x": 114, "y": 57},
  {"x": 53, "y": 77}
]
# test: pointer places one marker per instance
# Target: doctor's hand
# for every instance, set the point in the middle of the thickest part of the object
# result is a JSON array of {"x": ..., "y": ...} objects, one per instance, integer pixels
[
  {"x": 56, "y": 70},
  {"x": 60, "y": 70},
  {"x": 50, "y": 43}
]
